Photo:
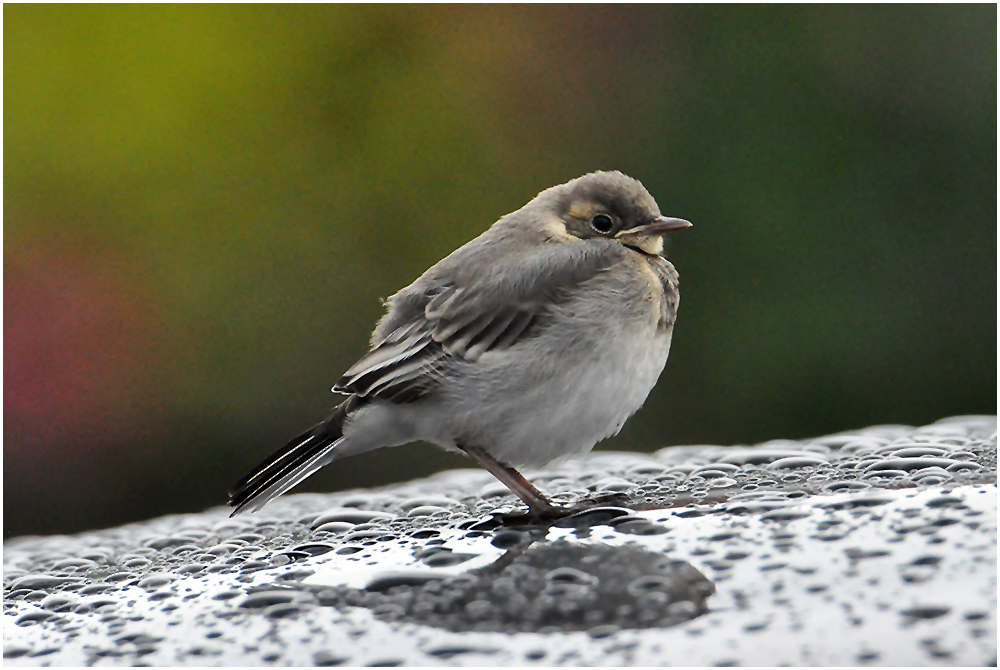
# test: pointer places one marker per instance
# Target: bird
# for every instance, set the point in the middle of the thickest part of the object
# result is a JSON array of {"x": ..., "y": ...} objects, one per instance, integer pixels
[{"x": 528, "y": 344}]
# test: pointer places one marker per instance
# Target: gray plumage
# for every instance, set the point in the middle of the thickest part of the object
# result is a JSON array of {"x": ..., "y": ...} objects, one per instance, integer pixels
[{"x": 533, "y": 341}]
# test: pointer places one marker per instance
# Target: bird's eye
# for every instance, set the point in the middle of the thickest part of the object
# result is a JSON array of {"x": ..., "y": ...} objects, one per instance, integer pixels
[{"x": 602, "y": 223}]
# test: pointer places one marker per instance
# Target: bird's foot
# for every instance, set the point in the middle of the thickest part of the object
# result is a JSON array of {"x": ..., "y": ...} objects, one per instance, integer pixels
[
  {"x": 616, "y": 498},
  {"x": 546, "y": 512},
  {"x": 554, "y": 511}
]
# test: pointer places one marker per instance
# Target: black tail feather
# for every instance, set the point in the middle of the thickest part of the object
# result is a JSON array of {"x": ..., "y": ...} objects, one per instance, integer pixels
[
  {"x": 271, "y": 464},
  {"x": 290, "y": 457}
]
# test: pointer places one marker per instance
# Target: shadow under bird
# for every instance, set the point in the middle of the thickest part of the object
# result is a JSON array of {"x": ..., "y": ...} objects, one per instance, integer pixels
[{"x": 534, "y": 341}]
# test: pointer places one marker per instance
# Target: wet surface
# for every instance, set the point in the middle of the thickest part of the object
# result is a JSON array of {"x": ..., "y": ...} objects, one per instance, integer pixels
[{"x": 874, "y": 547}]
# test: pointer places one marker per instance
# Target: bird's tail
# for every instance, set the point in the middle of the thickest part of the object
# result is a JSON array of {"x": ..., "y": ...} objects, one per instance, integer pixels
[{"x": 295, "y": 461}]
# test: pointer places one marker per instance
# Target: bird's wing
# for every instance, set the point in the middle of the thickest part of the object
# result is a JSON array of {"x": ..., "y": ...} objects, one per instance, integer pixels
[{"x": 448, "y": 320}]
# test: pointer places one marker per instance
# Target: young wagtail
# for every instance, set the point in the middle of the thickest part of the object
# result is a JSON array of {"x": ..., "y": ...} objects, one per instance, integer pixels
[{"x": 534, "y": 341}]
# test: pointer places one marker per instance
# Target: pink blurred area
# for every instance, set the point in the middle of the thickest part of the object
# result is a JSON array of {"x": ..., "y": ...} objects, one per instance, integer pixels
[{"x": 79, "y": 328}]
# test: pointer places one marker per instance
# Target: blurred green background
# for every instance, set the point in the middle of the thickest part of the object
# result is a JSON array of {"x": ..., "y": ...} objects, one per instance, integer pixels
[{"x": 203, "y": 206}]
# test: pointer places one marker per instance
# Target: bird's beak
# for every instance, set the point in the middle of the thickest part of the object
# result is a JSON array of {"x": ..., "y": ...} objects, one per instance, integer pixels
[
  {"x": 648, "y": 237},
  {"x": 657, "y": 226}
]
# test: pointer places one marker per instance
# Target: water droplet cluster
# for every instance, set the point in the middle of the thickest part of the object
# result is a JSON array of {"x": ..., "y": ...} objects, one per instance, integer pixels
[{"x": 875, "y": 546}]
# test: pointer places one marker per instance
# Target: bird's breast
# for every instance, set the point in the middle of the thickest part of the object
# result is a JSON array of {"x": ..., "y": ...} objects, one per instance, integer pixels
[
  {"x": 564, "y": 391},
  {"x": 661, "y": 283}
]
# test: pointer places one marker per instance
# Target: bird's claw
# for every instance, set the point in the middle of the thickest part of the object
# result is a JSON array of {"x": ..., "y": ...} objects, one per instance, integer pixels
[{"x": 547, "y": 512}]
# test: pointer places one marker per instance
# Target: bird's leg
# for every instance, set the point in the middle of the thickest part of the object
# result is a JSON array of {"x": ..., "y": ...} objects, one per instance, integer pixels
[{"x": 515, "y": 481}]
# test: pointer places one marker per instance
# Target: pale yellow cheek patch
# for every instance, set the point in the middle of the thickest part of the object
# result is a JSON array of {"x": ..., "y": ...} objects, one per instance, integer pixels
[
  {"x": 651, "y": 245},
  {"x": 556, "y": 229}
]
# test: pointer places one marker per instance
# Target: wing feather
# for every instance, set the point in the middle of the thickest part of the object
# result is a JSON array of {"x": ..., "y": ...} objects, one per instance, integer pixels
[
  {"x": 487, "y": 337},
  {"x": 439, "y": 323}
]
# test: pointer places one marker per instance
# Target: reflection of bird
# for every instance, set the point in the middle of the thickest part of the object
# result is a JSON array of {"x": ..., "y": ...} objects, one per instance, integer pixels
[{"x": 533, "y": 341}]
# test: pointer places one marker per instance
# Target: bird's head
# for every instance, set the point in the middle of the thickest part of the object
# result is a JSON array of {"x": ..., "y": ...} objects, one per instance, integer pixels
[{"x": 608, "y": 205}]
